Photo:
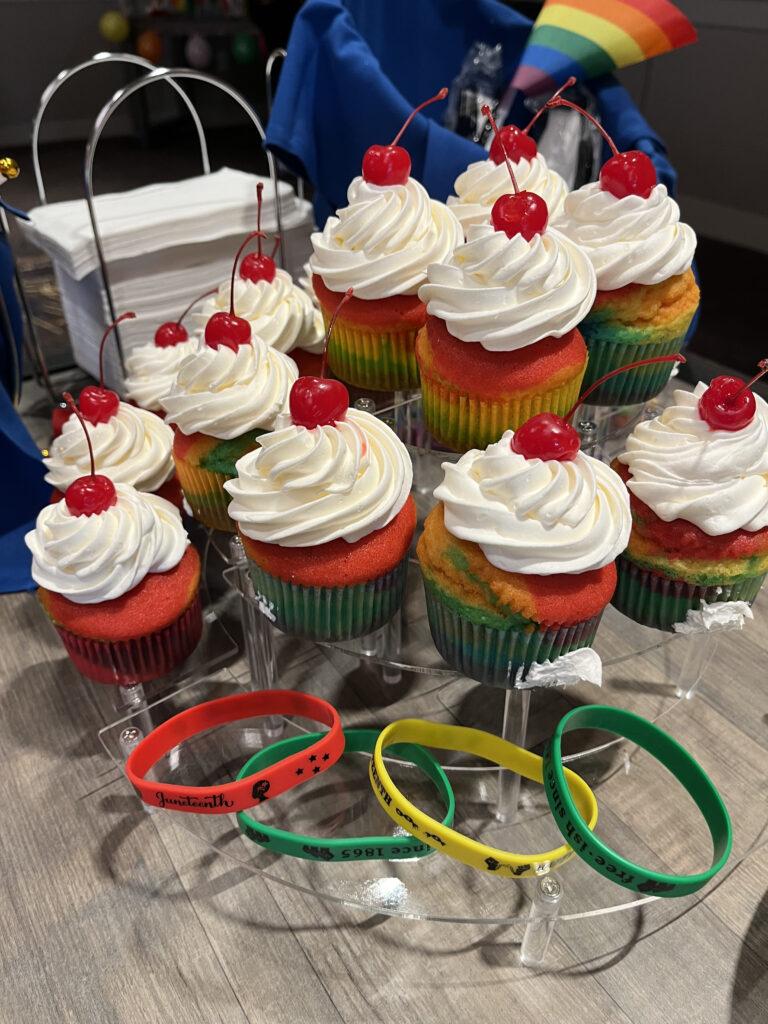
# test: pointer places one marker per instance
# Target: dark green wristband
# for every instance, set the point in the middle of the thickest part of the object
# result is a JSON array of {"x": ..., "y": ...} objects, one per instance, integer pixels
[
  {"x": 688, "y": 772},
  {"x": 402, "y": 847}
]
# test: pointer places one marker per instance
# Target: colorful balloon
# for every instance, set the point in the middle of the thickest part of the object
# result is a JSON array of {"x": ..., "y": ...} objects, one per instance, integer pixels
[
  {"x": 149, "y": 45},
  {"x": 114, "y": 26},
  {"x": 198, "y": 51}
]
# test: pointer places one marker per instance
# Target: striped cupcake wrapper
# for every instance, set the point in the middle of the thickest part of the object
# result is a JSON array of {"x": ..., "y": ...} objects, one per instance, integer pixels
[
  {"x": 658, "y": 601},
  {"x": 492, "y": 655},
  {"x": 461, "y": 421},
  {"x": 635, "y": 386},
  {"x": 329, "y": 613},
  {"x": 140, "y": 659},
  {"x": 374, "y": 360},
  {"x": 204, "y": 490}
]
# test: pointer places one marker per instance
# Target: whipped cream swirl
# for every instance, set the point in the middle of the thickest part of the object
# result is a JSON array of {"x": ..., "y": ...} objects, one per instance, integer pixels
[
  {"x": 478, "y": 188},
  {"x": 151, "y": 371},
  {"x": 90, "y": 559},
  {"x": 536, "y": 517},
  {"x": 382, "y": 243},
  {"x": 279, "y": 312},
  {"x": 133, "y": 447},
  {"x": 225, "y": 393},
  {"x": 630, "y": 240},
  {"x": 305, "y": 487},
  {"x": 506, "y": 293},
  {"x": 715, "y": 479}
]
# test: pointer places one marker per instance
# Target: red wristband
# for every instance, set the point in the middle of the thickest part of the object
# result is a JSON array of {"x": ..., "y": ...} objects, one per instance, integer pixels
[{"x": 247, "y": 792}]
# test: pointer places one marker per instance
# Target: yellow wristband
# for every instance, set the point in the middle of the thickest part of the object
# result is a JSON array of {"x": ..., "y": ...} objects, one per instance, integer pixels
[{"x": 447, "y": 840}]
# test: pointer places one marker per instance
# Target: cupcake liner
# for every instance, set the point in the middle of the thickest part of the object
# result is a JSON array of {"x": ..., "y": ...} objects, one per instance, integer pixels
[
  {"x": 374, "y": 360},
  {"x": 658, "y": 601},
  {"x": 634, "y": 386},
  {"x": 204, "y": 491},
  {"x": 140, "y": 659},
  {"x": 492, "y": 655},
  {"x": 462, "y": 421},
  {"x": 330, "y": 613}
]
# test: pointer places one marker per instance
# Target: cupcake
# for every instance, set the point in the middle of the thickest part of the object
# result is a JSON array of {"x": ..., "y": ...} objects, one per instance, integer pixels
[
  {"x": 227, "y": 393},
  {"x": 697, "y": 477},
  {"x": 518, "y": 556},
  {"x": 326, "y": 517},
  {"x": 118, "y": 579},
  {"x": 381, "y": 245},
  {"x": 629, "y": 227}
]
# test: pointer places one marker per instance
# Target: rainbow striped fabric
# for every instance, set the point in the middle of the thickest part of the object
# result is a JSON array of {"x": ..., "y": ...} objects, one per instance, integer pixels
[{"x": 593, "y": 37}]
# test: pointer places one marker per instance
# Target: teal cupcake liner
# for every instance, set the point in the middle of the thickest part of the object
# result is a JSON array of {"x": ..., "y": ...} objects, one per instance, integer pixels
[
  {"x": 493, "y": 655},
  {"x": 657, "y": 601},
  {"x": 635, "y": 386},
  {"x": 329, "y": 613}
]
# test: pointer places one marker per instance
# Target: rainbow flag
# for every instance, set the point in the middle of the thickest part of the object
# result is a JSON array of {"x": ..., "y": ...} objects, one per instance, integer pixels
[{"x": 593, "y": 37}]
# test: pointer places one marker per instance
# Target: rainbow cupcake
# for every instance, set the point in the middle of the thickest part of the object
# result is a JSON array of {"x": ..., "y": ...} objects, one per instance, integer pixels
[
  {"x": 500, "y": 343},
  {"x": 326, "y": 517},
  {"x": 518, "y": 558},
  {"x": 699, "y": 500}
]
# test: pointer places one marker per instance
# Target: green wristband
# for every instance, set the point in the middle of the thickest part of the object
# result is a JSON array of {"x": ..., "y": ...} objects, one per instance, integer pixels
[
  {"x": 674, "y": 757},
  {"x": 402, "y": 847}
]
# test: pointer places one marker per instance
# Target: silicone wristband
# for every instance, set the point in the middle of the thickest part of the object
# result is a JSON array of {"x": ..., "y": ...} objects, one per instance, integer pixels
[
  {"x": 688, "y": 772},
  {"x": 364, "y": 847},
  {"x": 235, "y": 796},
  {"x": 446, "y": 840}
]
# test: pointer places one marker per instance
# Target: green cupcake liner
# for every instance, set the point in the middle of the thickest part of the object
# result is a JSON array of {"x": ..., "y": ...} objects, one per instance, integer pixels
[
  {"x": 374, "y": 360},
  {"x": 658, "y": 601},
  {"x": 635, "y": 386},
  {"x": 492, "y": 655},
  {"x": 330, "y": 613}
]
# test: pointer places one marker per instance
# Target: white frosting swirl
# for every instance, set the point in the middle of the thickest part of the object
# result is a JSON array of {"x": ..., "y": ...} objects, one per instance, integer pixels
[
  {"x": 715, "y": 479},
  {"x": 305, "y": 283},
  {"x": 478, "y": 188},
  {"x": 225, "y": 393},
  {"x": 630, "y": 240},
  {"x": 382, "y": 243},
  {"x": 90, "y": 559},
  {"x": 531, "y": 516},
  {"x": 306, "y": 487},
  {"x": 279, "y": 312},
  {"x": 133, "y": 447},
  {"x": 506, "y": 293},
  {"x": 151, "y": 371}
]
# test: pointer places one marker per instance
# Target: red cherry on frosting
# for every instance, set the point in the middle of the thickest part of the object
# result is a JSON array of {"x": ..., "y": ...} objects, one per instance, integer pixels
[
  {"x": 628, "y": 174},
  {"x": 227, "y": 330},
  {"x": 93, "y": 494},
  {"x": 170, "y": 333},
  {"x": 256, "y": 266},
  {"x": 546, "y": 436},
  {"x": 728, "y": 403},
  {"x": 318, "y": 401},
  {"x": 98, "y": 405},
  {"x": 512, "y": 142},
  {"x": 391, "y": 165},
  {"x": 523, "y": 213}
]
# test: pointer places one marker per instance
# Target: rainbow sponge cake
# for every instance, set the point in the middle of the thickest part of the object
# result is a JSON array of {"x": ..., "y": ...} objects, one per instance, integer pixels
[
  {"x": 699, "y": 500},
  {"x": 518, "y": 558},
  {"x": 501, "y": 341},
  {"x": 646, "y": 293}
]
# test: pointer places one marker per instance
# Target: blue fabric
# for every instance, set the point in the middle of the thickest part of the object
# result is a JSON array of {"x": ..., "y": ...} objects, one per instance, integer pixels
[{"x": 355, "y": 69}]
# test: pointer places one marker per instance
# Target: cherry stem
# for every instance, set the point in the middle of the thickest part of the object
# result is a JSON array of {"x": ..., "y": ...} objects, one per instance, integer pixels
[
  {"x": 432, "y": 99},
  {"x": 239, "y": 253},
  {"x": 124, "y": 316},
  {"x": 73, "y": 406},
  {"x": 194, "y": 302},
  {"x": 278, "y": 242},
  {"x": 545, "y": 106},
  {"x": 560, "y": 102},
  {"x": 677, "y": 358},
  {"x": 259, "y": 200},
  {"x": 344, "y": 300},
  {"x": 487, "y": 111},
  {"x": 763, "y": 364}
]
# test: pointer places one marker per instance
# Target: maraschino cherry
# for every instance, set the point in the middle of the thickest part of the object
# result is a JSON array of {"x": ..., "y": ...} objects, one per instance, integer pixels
[
  {"x": 97, "y": 403},
  {"x": 728, "y": 403},
  {"x": 88, "y": 495},
  {"x": 256, "y": 266},
  {"x": 516, "y": 143},
  {"x": 318, "y": 401},
  {"x": 173, "y": 332},
  {"x": 522, "y": 213},
  {"x": 391, "y": 165},
  {"x": 625, "y": 174},
  {"x": 552, "y": 438},
  {"x": 227, "y": 329}
]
